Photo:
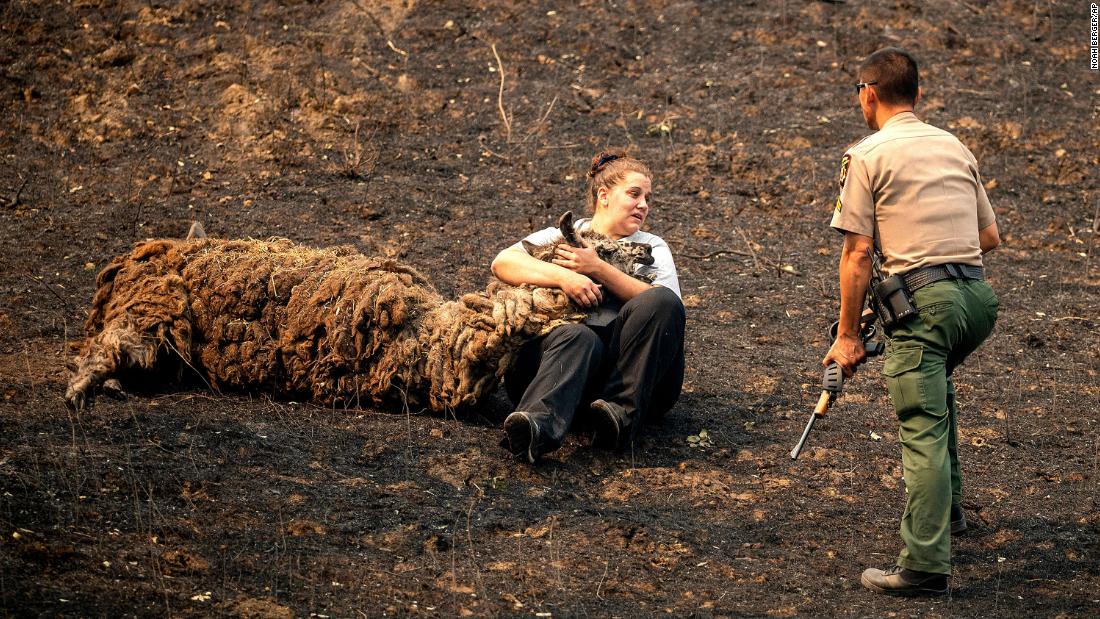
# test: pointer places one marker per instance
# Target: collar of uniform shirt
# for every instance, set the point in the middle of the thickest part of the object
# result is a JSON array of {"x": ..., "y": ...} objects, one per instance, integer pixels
[{"x": 900, "y": 117}]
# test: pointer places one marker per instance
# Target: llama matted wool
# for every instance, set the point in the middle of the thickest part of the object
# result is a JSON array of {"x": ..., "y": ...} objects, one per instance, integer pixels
[{"x": 329, "y": 325}]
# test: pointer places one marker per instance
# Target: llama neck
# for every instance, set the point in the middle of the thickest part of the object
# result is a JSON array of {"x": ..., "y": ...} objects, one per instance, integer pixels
[{"x": 466, "y": 345}]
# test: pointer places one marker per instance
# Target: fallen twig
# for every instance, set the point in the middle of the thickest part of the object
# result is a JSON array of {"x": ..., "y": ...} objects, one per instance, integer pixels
[
  {"x": 500, "y": 96},
  {"x": 489, "y": 151},
  {"x": 390, "y": 45},
  {"x": 757, "y": 260},
  {"x": 976, "y": 93},
  {"x": 52, "y": 291},
  {"x": 18, "y": 192},
  {"x": 1096, "y": 218},
  {"x": 209, "y": 385},
  {"x": 606, "y": 567},
  {"x": 542, "y": 119},
  {"x": 716, "y": 253},
  {"x": 382, "y": 29},
  {"x": 972, "y": 8},
  {"x": 748, "y": 243}
]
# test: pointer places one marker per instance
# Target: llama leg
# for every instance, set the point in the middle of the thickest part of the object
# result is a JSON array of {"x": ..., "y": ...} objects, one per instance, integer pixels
[
  {"x": 113, "y": 389},
  {"x": 118, "y": 346}
]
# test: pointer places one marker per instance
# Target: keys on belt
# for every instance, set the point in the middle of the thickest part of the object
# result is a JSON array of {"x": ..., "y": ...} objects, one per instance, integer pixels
[{"x": 926, "y": 275}]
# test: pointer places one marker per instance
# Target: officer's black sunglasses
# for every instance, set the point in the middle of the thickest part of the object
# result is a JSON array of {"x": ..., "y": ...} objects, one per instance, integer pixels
[{"x": 860, "y": 85}]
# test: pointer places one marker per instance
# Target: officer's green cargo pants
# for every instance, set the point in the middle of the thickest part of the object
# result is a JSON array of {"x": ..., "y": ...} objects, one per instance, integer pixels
[{"x": 955, "y": 317}]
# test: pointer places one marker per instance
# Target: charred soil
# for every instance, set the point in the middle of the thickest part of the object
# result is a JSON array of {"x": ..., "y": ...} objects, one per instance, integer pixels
[{"x": 437, "y": 133}]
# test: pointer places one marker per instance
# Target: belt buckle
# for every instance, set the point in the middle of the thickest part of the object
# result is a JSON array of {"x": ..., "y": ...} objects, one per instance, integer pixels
[{"x": 953, "y": 271}]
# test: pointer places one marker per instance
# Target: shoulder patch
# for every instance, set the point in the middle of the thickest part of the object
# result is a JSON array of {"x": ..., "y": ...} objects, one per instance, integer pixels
[
  {"x": 844, "y": 162},
  {"x": 839, "y": 205}
]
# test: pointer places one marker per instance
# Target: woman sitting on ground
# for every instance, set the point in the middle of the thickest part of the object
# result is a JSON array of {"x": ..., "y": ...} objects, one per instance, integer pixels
[{"x": 626, "y": 362}]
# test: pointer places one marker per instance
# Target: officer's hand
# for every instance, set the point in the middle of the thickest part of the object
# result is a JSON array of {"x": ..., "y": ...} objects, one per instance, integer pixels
[
  {"x": 582, "y": 290},
  {"x": 848, "y": 352}
]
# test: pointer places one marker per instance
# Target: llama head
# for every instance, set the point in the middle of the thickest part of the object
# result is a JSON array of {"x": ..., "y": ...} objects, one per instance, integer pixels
[{"x": 623, "y": 255}]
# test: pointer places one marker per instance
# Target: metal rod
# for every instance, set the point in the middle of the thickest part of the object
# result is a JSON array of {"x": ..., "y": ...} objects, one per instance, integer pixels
[{"x": 805, "y": 435}]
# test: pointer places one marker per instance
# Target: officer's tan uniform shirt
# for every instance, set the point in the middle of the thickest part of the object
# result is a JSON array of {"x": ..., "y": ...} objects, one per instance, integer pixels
[{"x": 916, "y": 190}]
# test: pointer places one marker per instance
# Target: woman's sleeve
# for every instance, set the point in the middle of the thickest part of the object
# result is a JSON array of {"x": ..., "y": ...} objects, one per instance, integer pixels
[
  {"x": 663, "y": 268},
  {"x": 541, "y": 237}
]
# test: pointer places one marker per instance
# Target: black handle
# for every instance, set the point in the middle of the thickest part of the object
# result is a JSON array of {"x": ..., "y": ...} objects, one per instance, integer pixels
[{"x": 867, "y": 332}]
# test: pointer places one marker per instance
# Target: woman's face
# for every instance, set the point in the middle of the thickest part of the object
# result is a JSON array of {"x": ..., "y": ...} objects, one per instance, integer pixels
[{"x": 622, "y": 209}]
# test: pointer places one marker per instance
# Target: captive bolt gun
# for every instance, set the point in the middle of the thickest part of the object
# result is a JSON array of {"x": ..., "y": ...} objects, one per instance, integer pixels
[{"x": 833, "y": 379}]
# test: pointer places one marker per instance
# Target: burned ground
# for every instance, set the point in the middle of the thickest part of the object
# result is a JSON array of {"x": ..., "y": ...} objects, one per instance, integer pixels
[{"x": 381, "y": 125}]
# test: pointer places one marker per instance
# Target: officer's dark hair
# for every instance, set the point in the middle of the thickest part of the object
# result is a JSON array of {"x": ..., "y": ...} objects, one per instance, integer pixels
[{"x": 895, "y": 70}]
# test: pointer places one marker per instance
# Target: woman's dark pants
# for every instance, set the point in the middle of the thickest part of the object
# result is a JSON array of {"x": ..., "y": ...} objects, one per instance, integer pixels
[{"x": 636, "y": 361}]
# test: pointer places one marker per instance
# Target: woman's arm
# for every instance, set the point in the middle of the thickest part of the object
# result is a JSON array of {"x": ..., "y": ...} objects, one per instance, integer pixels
[
  {"x": 584, "y": 260},
  {"x": 515, "y": 266}
]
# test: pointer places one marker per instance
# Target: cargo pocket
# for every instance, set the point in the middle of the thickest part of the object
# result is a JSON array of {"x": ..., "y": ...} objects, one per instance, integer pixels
[{"x": 904, "y": 379}]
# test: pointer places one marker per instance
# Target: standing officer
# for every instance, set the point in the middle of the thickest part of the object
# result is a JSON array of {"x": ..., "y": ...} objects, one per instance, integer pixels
[{"x": 912, "y": 192}]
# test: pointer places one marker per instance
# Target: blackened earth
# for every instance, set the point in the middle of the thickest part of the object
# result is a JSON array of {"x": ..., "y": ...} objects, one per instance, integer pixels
[{"x": 381, "y": 125}]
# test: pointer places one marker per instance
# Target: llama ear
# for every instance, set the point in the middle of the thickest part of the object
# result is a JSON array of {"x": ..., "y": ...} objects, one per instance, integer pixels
[
  {"x": 196, "y": 231},
  {"x": 529, "y": 247},
  {"x": 568, "y": 232}
]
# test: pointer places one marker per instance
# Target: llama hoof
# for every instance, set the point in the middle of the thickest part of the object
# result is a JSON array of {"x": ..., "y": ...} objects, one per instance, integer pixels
[
  {"x": 113, "y": 389},
  {"x": 77, "y": 400}
]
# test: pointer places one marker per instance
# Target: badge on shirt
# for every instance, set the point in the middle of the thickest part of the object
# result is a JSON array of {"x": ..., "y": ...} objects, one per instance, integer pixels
[{"x": 844, "y": 161}]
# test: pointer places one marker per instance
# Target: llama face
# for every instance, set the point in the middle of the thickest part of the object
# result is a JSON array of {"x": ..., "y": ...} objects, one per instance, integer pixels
[{"x": 626, "y": 254}]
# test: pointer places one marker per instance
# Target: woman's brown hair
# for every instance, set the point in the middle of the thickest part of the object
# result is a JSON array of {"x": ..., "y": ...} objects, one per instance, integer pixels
[{"x": 608, "y": 169}]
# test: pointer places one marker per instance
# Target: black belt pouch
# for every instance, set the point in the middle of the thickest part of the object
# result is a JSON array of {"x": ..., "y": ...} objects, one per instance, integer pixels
[{"x": 895, "y": 302}]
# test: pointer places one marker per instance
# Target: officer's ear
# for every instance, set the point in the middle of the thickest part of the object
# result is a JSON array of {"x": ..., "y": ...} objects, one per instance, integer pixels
[
  {"x": 872, "y": 96},
  {"x": 920, "y": 91}
]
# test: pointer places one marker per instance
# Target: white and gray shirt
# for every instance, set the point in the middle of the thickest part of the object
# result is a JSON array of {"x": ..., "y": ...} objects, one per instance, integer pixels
[{"x": 663, "y": 268}]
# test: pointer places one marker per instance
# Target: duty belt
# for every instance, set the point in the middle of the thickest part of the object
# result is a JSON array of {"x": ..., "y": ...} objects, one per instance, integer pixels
[{"x": 926, "y": 275}]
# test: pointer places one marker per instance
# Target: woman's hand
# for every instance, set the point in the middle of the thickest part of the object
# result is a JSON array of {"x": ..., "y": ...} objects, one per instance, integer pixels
[
  {"x": 582, "y": 290},
  {"x": 585, "y": 262},
  {"x": 581, "y": 260},
  {"x": 516, "y": 267}
]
